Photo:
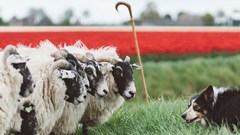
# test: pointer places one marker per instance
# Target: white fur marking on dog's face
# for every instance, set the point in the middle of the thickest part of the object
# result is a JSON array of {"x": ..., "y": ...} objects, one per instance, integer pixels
[
  {"x": 191, "y": 113},
  {"x": 130, "y": 91}
]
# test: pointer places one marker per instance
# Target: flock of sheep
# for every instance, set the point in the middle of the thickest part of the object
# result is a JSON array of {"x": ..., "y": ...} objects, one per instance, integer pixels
[{"x": 51, "y": 90}]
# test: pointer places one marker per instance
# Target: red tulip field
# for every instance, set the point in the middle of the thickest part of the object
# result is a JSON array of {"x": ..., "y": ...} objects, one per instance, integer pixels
[{"x": 150, "y": 42}]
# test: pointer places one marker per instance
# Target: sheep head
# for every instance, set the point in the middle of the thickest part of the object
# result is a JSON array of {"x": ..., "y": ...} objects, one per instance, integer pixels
[
  {"x": 18, "y": 62},
  {"x": 98, "y": 85},
  {"x": 122, "y": 72}
]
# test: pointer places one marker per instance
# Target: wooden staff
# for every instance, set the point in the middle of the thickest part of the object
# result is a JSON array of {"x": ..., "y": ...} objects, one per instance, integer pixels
[{"x": 137, "y": 48}]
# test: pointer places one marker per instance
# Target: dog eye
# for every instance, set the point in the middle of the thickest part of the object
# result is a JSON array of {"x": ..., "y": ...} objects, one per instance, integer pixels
[{"x": 196, "y": 107}]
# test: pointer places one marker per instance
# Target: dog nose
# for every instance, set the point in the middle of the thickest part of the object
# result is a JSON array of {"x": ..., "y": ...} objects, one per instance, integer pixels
[
  {"x": 184, "y": 116},
  {"x": 105, "y": 91}
]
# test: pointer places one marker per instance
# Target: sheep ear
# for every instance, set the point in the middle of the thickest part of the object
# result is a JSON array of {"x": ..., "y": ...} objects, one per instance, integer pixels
[
  {"x": 111, "y": 67},
  {"x": 114, "y": 61},
  {"x": 90, "y": 56},
  {"x": 26, "y": 58},
  {"x": 127, "y": 59},
  {"x": 135, "y": 67},
  {"x": 81, "y": 57}
]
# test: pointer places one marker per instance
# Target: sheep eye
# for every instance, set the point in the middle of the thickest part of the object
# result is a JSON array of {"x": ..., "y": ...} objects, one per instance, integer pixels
[
  {"x": 118, "y": 71},
  {"x": 90, "y": 63},
  {"x": 88, "y": 71},
  {"x": 72, "y": 62}
]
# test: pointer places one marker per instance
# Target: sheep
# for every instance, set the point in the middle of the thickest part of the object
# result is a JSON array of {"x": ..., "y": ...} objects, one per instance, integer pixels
[
  {"x": 29, "y": 125},
  {"x": 56, "y": 83},
  {"x": 72, "y": 114},
  {"x": 106, "y": 106},
  {"x": 15, "y": 82},
  {"x": 121, "y": 86},
  {"x": 49, "y": 95}
]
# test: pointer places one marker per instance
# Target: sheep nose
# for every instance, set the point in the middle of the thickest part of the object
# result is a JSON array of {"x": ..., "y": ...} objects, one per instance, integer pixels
[
  {"x": 131, "y": 93},
  {"x": 84, "y": 96},
  {"x": 105, "y": 91},
  {"x": 86, "y": 86},
  {"x": 184, "y": 115}
]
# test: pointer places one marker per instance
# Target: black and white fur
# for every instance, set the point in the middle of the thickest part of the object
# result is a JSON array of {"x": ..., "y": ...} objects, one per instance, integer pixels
[
  {"x": 217, "y": 105},
  {"x": 98, "y": 89},
  {"x": 16, "y": 82},
  {"x": 122, "y": 72},
  {"x": 29, "y": 125},
  {"x": 20, "y": 63}
]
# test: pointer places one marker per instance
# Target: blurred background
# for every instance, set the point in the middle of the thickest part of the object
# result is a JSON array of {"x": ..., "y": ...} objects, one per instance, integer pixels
[
  {"x": 186, "y": 45},
  {"x": 102, "y": 13}
]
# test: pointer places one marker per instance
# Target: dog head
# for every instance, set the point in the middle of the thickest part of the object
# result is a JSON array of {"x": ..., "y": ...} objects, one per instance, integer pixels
[{"x": 200, "y": 106}]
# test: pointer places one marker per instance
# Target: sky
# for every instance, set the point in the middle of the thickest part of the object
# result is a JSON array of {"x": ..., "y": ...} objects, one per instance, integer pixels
[{"x": 103, "y": 11}]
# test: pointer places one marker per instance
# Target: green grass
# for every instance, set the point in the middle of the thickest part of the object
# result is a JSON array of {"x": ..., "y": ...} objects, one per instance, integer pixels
[
  {"x": 185, "y": 77},
  {"x": 161, "y": 117},
  {"x": 177, "y": 57},
  {"x": 169, "y": 82}
]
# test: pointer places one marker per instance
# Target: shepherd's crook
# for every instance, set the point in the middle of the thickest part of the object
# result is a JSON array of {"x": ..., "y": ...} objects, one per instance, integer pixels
[{"x": 137, "y": 48}]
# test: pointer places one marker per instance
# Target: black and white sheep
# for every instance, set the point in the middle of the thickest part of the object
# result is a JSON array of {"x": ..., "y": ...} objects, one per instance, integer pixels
[
  {"x": 98, "y": 88},
  {"x": 53, "y": 87},
  {"x": 15, "y": 82},
  {"x": 99, "y": 111},
  {"x": 121, "y": 86}
]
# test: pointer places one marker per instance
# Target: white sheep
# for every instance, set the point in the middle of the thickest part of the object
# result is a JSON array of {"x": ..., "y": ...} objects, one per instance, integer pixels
[
  {"x": 51, "y": 92},
  {"x": 121, "y": 86},
  {"x": 97, "y": 111},
  {"x": 10, "y": 84},
  {"x": 48, "y": 96},
  {"x": 72, "y": 114}
]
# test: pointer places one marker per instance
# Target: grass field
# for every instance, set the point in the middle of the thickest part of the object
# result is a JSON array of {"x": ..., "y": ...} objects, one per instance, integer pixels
[
  {"x": 170, "y": 85},
  {"x": 161, "y": 117},
  {"x": 185, "y": 77}
]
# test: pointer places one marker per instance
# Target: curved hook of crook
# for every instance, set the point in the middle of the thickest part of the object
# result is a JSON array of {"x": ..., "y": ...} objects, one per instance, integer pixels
[{"x": 125, "y": 4}]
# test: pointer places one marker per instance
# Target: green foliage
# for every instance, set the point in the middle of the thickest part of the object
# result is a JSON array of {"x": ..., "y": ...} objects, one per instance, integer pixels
[
  {"x": 2, "y": 22},
  {"x": 157, "y": 118},
  {"x": 177, "y": 57},
  {"x": 208, "y": 19},
  {"x": 66, "y": 19},
  {"x": 150, "y": 14},
  {"x": 185, "y": 77}
]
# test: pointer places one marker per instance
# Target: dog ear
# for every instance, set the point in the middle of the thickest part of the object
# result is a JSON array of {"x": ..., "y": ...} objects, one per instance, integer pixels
[{"x": 208, "y": 93}]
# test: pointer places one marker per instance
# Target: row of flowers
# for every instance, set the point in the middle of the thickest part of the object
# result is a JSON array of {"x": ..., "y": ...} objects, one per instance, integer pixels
[{"x": 149, "y": 42}]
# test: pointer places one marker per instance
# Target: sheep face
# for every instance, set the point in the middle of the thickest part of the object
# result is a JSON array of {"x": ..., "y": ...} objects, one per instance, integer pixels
[
  {"x": 29, "y": 122},
  {"x": 76, "y": 93},
  {"x": 79, "y": 68},
  {"x": 123, "y": 75},
  {"x": 98, "y": 85},
  {"x": 19, "y": 63}
]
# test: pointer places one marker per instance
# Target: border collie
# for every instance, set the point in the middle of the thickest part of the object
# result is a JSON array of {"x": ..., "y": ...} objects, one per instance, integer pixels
[{"x": 217, "y": 105}]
